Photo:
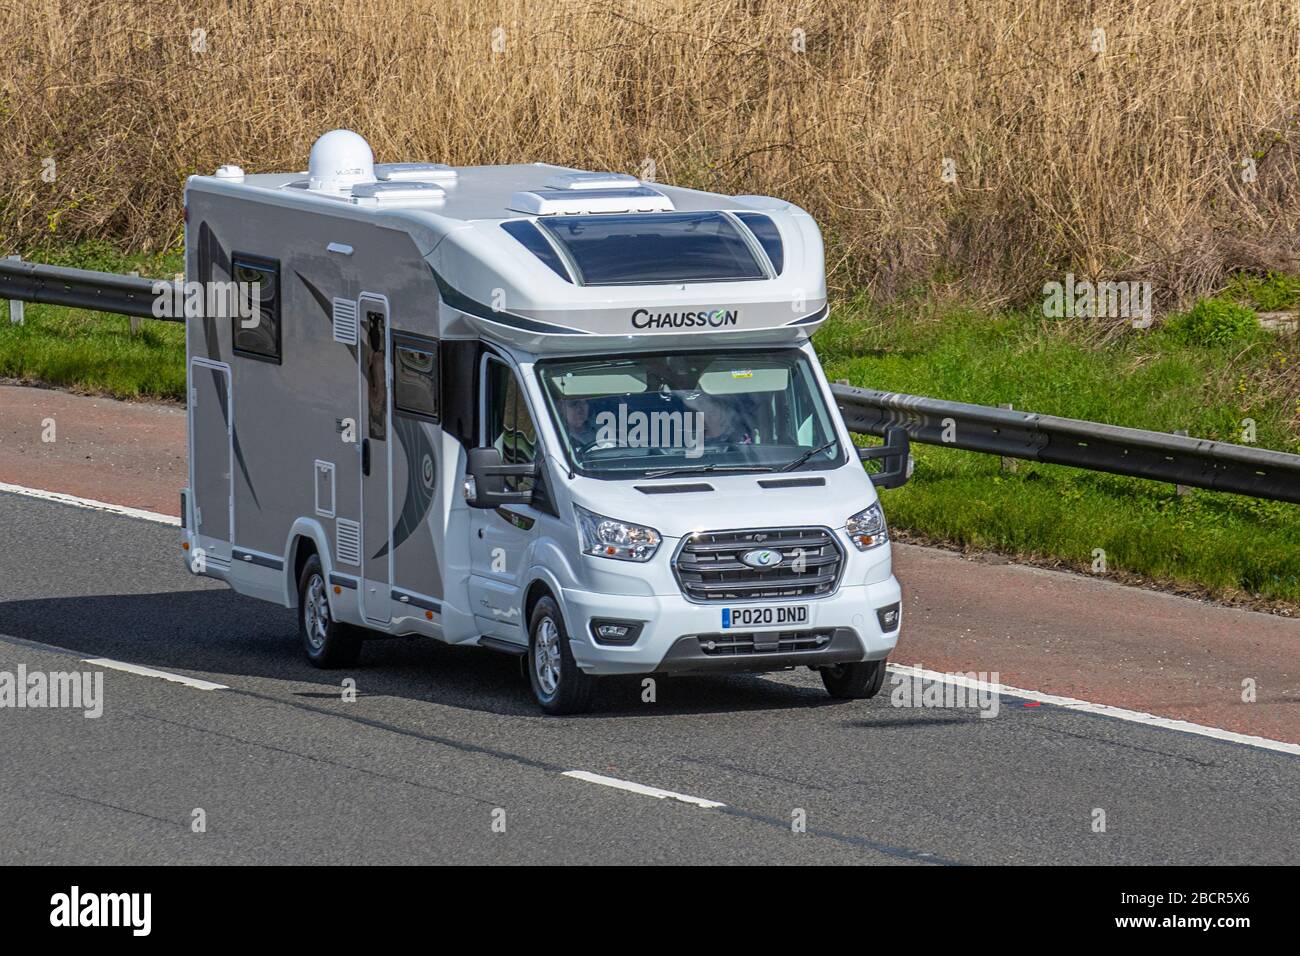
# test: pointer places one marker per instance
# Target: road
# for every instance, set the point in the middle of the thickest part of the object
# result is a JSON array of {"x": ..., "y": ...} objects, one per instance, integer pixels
[{"x": 442, "y": 743}]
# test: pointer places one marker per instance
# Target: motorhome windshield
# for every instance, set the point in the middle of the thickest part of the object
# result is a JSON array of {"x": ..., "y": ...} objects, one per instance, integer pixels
[
  {"x": 690, "y": 412},
  {"x": 651, "y": 248}
]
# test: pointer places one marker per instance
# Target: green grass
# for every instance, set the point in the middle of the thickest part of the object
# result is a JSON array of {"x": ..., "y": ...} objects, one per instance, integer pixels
[
  {"x": 94, "y": 351},
  {"x": 1206, "y": 371},
  {"x": 1164, "y": 379}
]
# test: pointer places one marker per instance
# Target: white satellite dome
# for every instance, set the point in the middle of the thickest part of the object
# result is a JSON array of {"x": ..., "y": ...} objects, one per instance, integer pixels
[{"x": 340, "y": 160}]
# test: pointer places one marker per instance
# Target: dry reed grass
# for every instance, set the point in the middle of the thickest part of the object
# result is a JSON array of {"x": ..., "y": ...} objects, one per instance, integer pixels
[{"x": 1125, "y": 163}]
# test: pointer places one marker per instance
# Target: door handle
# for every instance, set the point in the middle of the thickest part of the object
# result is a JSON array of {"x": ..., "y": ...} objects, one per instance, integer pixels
[{"x": 365, "y": 457}]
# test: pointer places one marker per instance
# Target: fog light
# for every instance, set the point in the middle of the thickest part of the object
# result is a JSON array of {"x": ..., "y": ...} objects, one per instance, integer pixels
[
  {"x": 615, "y": 632},
  {"x": 888, "y": 617}
]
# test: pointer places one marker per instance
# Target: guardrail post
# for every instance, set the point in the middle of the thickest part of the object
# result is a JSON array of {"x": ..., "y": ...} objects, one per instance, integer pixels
[
  {"x": 135, "y": 319},
  {"x": 1009, "y": 464},
  {"x": 16, "y": 305}
]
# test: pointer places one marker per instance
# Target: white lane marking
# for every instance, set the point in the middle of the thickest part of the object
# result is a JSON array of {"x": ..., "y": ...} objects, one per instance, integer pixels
[
  {"x": 150, "y": 672},
  {"x": 1105, "y": 710},
  {"x": 90, "y": 503},
  {"x": 642, "y": 789}
]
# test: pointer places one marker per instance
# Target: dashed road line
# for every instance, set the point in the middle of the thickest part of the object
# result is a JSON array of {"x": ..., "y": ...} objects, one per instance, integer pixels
[
  {"x": 642, "y": 789},
  {"x": 151, "y": 672}
]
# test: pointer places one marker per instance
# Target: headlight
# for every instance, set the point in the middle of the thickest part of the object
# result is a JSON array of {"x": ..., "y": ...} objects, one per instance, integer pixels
[
  {"x": 867, "y": 528},
  {"x": 607, "y": 538}
]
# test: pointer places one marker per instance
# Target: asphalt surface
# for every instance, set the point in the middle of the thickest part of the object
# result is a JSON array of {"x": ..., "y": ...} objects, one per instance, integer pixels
[{"x": 440, "y": 743}]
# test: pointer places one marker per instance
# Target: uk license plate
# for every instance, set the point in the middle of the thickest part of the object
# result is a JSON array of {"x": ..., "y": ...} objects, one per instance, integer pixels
[{"x": 772, "y": 615}]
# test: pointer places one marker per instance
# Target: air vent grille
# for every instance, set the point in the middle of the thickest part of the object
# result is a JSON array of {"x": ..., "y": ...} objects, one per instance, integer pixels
[
  {"x": 345, "y": 321},
  {"x": 347, "y": 542}
]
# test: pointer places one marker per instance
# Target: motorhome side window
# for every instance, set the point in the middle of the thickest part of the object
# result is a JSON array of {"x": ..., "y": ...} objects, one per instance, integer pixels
[
  {"x": 509, "y": 426},
  {"x": 415, "y": 378},
  {"x": 255, "y": 332}
]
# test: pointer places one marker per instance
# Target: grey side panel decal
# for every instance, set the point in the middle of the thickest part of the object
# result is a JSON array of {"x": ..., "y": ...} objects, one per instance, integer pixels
[
  {"x": 419, "y": 495},
  {"x": 459, "y": 300},
  {"x": 326, "y": 306},
  {"x": 815, "y": 317},
  {"x": 210, "y": 253}
]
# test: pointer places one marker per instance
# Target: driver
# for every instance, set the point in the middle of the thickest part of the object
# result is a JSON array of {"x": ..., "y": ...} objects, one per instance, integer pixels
[{"x": 722, "y": 423}]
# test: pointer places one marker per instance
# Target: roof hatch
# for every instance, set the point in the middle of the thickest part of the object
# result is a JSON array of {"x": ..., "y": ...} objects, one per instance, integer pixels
[
  {"x": 422, "y": 172},
  {"x": 577, "y": 202}
]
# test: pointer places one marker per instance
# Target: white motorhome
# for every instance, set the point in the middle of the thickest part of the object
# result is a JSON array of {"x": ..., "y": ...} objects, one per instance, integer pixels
[{"x": 567, "y": 415}]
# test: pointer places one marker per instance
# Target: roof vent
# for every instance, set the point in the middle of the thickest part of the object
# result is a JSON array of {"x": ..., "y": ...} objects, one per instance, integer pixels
[
  {"x": 424, "y": 172},
  {"x": 232, "y": 173},
  {"x": 593, "y": 181},
  {"x": 398, "y": 193},
  {"x": 340, "y": 160},
  {"x": 576, "y": 202}
]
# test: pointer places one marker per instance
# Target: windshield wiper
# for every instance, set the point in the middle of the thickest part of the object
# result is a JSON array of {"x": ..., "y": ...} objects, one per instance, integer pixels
[
  {"x": 700, "y": 469},
  {"x": 808, "y": 454}
]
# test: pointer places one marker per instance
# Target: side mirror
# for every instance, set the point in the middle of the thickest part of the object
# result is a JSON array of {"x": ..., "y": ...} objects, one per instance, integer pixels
[
  {"x": 485, "y": 476},
  {"x": 896, "y": 452}
]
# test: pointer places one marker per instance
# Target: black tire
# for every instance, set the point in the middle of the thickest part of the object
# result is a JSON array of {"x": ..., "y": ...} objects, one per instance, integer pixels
[
  {"x": 858, "y": 681},
  {"x": 328, "y": 643},
  {"x": 573, "y": 689}
]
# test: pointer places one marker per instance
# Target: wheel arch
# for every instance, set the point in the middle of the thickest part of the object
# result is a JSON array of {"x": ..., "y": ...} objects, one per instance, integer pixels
[
  {"x": 305, "y": 538},
  {"x": 541, "y": 583}
]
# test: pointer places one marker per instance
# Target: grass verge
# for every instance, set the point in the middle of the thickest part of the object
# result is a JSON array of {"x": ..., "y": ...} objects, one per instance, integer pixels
[{"x": 1229, "y": 547}]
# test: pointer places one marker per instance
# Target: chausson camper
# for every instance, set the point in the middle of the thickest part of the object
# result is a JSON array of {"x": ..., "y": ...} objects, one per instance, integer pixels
[{"x": 566, "y": 415}]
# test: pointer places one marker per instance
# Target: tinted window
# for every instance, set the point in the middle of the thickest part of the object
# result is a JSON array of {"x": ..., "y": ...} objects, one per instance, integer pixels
[
  {"x": 415, "y": 378},
  {"x": 765, "y": 231},
  {"x": 532, "y": 240},
  {"x": 509, "y": 426},
  {"x": 651, "y": 248},
  {"x": 256, "y": 332},
  {"x": 374, "y": 350}
]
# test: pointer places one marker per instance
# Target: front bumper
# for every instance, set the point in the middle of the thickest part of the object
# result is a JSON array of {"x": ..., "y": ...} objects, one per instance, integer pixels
[{"x": 670, "y": 639}]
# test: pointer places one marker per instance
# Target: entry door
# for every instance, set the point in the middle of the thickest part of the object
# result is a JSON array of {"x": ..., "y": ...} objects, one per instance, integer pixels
[
  {"x": 211, "y": 440},
  {"x": 376, "y": 496},
  {"x": 500, "y": 536}
]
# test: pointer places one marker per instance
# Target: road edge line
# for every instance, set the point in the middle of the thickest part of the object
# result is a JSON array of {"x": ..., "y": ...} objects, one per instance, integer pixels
[
  {"x": 90, "y": 504},
  {"x": 1102, "y": 710}
]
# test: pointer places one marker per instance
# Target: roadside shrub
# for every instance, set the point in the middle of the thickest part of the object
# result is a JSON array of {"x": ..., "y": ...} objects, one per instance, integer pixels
[{"x": 1213, "y": 323}]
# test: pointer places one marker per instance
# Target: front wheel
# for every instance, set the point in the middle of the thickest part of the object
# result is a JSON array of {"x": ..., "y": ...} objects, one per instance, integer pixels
[
  {"x": 858, "y": 681},
  {"x": 328, "y": 643},
  {"x": 558, "y": 684}
]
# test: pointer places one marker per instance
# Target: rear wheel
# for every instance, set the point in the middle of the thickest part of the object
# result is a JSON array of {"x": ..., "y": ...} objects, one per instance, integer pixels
[
  {"x": 559, "y": 686},
  {"x": 327, "y": 642},
  {"x": 858, "y": 681}
]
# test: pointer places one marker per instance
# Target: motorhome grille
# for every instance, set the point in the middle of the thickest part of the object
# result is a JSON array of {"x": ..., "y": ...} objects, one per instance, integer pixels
[
  {"x": 709, "y": 564},
  {"x": 345, "y": 321},
  {"x": 347, "y": 542},
  {"x": 764, "y": 642}
]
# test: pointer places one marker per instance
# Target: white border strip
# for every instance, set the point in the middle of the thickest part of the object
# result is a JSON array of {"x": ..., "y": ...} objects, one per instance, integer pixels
[
  {"x": 642, "y": 789},
  {"x": 150, "y": 672},
  {"x": 1103, "y": 710},
  {"x": 92, "y": 504}
]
